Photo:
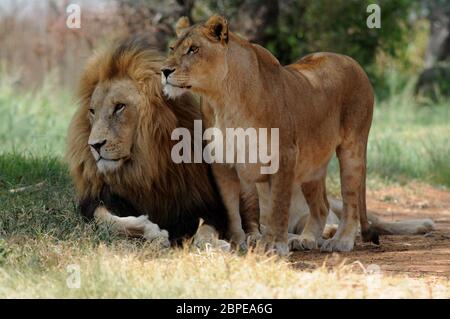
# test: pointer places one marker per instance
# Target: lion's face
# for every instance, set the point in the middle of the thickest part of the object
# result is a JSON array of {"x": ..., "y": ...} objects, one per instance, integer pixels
[
  {"x": 196, "y": 57},
  {"x": 113, "y": 114}
]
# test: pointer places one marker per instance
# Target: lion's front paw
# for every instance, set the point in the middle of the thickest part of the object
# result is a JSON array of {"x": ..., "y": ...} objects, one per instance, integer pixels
[
  {"x": 155, "y": 235},
  {"x": 303, "y": 242}
]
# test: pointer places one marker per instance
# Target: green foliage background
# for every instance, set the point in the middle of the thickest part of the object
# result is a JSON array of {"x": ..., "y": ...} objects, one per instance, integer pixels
[{"x": 305, "y": 26}]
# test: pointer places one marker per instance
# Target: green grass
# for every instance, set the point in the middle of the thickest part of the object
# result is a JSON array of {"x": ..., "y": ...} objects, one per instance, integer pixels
[
  {"x": 34, "y": 122},
  {"x": 45, "y": 206},
  {"x": 41, "y": 233},
  {"x": 408, "y": 141}
]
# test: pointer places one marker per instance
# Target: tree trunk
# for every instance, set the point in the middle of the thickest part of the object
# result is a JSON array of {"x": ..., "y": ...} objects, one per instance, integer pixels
[{"x": 439, "y": 42}]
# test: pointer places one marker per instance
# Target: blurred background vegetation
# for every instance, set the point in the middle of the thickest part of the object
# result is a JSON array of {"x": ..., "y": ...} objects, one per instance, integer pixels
[
  {"x": 413, "y": 41},
  {"x": 407, "y": 59}
]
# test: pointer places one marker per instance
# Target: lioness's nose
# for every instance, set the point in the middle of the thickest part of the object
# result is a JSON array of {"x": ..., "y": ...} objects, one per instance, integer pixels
[
  {"x": 167, "y": 71},
  {"x": 98, "y": 145}
]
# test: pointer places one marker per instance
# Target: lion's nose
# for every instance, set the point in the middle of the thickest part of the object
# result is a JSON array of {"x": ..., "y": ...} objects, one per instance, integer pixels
[
  {"x": 98, "y": 145},
  {"x": 167, "y": 71}
]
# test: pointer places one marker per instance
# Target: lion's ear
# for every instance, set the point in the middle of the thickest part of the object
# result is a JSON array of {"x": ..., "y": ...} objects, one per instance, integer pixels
[
  {"x": 217, "y": 28},
  {"x": 182, "y": 24}
]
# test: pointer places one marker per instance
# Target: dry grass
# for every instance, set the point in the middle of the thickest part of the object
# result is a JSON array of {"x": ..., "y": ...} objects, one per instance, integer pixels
[{"x": 38, "y": 268}]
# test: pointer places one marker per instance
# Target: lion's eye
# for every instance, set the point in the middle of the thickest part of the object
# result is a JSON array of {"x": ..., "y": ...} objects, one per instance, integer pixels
[
  {"x": 119, "y": 108},
  {"x": 171, "y": 48},
  {"x": 193, "y": 49},
  {"x": 92, "y": 111}
]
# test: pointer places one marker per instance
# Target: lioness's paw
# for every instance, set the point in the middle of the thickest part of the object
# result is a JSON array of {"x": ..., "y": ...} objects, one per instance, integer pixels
[
  {"x": 203, "y": 244},
  {"x": 238, "y": 241},
  {"x": 222, "y": 245},
  {"x": 333, "y": 244},
  {"x": 240, "y": 248},
  {"x": 280, "y": 248},
  {"x": 253, "y": 238},
  {"x": 275, "y": 247},
  {"x": 302, "y": 242}
]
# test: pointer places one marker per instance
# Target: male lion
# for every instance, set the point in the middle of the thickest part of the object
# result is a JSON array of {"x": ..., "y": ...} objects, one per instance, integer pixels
[
  {"x": 119, "y": 145},
  {"x": 321, "y": 104},
  {"x": 118, "y": 150}
]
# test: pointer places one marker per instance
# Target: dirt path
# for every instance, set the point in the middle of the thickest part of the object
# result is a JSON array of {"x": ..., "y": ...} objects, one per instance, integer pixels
[{"x": 417, "y": 256}]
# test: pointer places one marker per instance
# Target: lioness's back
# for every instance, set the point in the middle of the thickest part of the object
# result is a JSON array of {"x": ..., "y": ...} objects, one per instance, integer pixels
[{"x": 333, "y": 71}]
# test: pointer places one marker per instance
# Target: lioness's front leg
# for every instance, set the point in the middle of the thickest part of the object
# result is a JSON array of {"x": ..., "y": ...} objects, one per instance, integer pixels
[
  {"x": 250, "y": 211},
  {"x": 276, "y": 232},
  {"x": 132, "y": 226},
  {"x": 229, "y": 187}
]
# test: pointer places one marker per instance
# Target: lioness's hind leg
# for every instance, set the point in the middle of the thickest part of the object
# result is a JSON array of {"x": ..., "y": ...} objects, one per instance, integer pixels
[
  {"x": 352, "y": 169},
  {"x": 318, "y": 205}
]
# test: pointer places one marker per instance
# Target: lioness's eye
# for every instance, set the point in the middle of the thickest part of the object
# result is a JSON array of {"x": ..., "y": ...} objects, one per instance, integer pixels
[
  {"x": 92, "y": 111},
  {"x": 193, "y": 49},
  {"x": 119, "y": 108}
]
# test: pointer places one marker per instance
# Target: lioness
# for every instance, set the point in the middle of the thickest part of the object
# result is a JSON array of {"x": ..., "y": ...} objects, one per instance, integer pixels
[{"x": 321, "y": 104}]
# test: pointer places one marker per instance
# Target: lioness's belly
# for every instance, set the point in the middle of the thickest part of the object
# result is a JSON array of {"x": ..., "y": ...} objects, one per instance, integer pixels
[{"x": 312, "y": 162}]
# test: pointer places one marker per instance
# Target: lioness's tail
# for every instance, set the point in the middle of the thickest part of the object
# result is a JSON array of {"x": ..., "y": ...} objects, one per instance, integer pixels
[{"x": 407, "y": 227}]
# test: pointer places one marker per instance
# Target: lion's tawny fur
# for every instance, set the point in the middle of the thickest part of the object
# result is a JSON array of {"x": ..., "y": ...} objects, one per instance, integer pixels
[{"x": 172, "y": 195}]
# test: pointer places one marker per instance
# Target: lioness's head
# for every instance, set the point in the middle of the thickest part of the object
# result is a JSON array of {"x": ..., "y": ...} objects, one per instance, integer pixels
[
  {"x": 197, "y": 56},
  {"x": 113, "y": 114}
]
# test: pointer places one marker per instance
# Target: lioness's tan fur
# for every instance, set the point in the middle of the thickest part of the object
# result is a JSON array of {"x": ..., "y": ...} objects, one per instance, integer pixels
[{"x": 322, "y": 104}]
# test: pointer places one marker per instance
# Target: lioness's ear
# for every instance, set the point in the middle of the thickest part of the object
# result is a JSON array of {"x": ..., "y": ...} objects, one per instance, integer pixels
[
  {"x": 182, "y": 24},
  {"x": 217, "y": 28}
]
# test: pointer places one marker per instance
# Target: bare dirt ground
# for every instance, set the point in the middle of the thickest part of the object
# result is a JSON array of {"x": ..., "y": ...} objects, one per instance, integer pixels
[{"x": 416, "y": 256}]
